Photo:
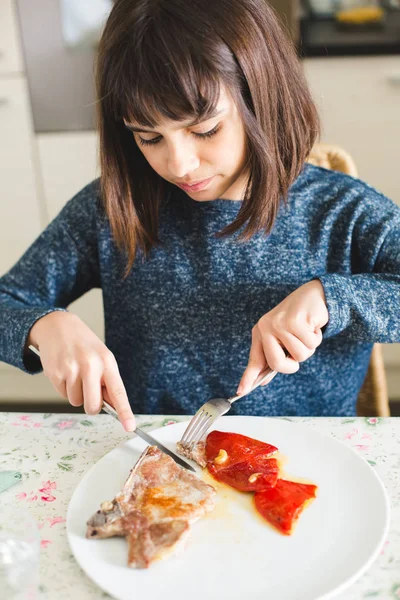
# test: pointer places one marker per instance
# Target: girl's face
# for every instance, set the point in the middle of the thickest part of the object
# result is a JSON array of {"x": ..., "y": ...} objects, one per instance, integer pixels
[{"x": 206, "y": 159}]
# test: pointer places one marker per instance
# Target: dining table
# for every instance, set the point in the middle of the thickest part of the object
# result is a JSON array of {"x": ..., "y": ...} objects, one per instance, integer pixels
[{"x": 51, "y": 452}]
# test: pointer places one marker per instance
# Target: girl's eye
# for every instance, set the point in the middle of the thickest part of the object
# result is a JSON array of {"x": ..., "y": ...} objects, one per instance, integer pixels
[
  {"x": 157, "y": 140},
  {"x": 208, "y": 134},
  {"x": 151, "y": 142}
]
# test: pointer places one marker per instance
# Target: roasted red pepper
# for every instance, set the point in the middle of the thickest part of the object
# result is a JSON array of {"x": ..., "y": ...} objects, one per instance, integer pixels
[
  {"x": 238, "y": 447},
  {"x": 241, "y": 462},
  {"x": 256, "y": 474},
  {"x": 282, "y": 504},
  {"x": 247, "y": 465}
]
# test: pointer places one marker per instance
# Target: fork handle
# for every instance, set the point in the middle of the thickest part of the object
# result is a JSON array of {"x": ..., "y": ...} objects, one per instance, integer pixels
[{"x": 264, "y": 377}]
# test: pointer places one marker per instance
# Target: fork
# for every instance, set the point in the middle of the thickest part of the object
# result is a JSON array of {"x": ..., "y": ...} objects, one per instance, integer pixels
[{"x": 211, "y": 410}]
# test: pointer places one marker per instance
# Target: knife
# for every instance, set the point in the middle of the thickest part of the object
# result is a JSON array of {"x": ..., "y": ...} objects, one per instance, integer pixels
[
  {"x": 145, "y": 436},
  {"x": 149, "y": 439}
]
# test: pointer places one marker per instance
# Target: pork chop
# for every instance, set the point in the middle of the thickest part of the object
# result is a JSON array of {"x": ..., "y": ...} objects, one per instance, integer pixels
[
  {"x": 196, "y": 453},
  {"x": 154, "y": 510}
]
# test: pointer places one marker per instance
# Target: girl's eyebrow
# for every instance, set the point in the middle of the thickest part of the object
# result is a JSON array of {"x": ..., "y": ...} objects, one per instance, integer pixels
[{"x": 196, "y": 121}]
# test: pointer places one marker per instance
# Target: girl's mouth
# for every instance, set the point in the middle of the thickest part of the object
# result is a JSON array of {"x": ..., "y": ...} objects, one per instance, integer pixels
[{"x": 196, "y": 187}]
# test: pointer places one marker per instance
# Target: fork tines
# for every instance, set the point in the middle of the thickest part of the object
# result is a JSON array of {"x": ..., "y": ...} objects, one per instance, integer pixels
[{"x": 196, "y": 429}]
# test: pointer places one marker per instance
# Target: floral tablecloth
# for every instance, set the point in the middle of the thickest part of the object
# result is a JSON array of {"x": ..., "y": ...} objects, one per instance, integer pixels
[{"x": 53, "y": 451}]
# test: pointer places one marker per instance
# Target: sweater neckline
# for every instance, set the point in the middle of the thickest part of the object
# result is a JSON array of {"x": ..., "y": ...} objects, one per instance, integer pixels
[{"x": 219, "y": 204}]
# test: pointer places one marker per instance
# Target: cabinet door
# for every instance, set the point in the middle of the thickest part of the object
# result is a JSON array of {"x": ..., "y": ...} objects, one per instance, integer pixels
[
  {"x": 10, "y": 53},
  {"x": 20, "y": 220},
  {"x": 359, "y": 101},
  {"x": 68, "y": 161}
]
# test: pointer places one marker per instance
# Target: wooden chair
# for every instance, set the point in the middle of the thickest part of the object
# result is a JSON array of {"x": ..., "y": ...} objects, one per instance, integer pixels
[{"x": 373, "y": 397}]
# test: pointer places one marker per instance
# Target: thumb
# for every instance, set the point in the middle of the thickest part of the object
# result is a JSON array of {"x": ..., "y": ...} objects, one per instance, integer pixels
[{"x": 256, "y": 364}]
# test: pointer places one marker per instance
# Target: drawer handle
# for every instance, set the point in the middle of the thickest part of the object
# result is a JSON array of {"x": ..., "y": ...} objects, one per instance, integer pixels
[{"x": 3, "y": 102}]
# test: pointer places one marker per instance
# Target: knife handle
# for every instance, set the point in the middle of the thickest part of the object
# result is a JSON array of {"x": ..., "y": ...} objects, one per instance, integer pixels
[
  {"x": 265, "y": 377},
  {"x": 110, "y": 410}
]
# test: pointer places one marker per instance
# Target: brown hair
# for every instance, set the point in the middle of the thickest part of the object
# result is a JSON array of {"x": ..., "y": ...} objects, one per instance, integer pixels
[{"x": 167, "y": 58}]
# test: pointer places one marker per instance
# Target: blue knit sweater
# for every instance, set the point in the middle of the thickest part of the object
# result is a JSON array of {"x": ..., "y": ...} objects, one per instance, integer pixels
[{"x": 180, "y": 324}]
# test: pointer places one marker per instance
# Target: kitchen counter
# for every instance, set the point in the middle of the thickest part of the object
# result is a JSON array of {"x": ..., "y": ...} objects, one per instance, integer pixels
[
  {"x": 322, "y": 37},
  {"x": 53, "y": 451}
]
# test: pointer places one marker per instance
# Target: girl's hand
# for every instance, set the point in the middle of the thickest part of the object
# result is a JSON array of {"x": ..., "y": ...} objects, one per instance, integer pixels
[
  {"x": 79, "y": 365},
  {"x": 293, "y": 326}
]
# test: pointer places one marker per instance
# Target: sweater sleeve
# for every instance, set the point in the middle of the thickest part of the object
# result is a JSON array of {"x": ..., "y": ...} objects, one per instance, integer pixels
[
  {"x": 365, "y": 302},
  {"x": 59, "y": 267}
]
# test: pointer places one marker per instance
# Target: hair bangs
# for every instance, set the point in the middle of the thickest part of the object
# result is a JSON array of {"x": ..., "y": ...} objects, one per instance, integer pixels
[{"x": 167, "y": 80}]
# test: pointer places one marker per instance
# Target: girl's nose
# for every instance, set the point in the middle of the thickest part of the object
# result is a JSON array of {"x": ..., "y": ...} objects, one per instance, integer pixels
[{"x": 182, "y": 159}]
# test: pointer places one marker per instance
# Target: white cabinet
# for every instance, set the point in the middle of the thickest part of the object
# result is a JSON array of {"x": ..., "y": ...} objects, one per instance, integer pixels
[
  {"x": 33, "y": 189},
  {"x": 20, "y": 218},
  {"x": 359, "y": 103},
  {"x": 21, "y": 214},
  {"x": 68, "y": 161},
  {"x": 10, "y": 49}
]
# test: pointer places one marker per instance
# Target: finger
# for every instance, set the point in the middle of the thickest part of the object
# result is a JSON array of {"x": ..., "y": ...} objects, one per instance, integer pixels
[
  {"x": 295, "y": 347},
  {"x": 277, "y": 356},
  {"x": 74, "y": 391},
  {"x": 118, "y": 399},
  {"x": 91, "y": 386},
  {"x": 255, "y": 365},
  {"x": 310, "y": 336},
  {"x": 105, "y": 395},
  {"x": 61, "y": 388}
]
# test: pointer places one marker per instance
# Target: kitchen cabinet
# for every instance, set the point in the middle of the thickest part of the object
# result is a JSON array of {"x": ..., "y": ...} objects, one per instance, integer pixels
[
  {"x": 10, "y": 48},
  {"x": 22, "y": 214},
  {"x": 21, "y": 218},
  {"x": 66, "y": 163},
  {"x": 359, "y": 103},
  {"x": 69, "y": 161}
]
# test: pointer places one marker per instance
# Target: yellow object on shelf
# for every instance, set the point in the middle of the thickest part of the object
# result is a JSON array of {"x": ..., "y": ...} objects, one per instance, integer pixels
[{"x": 360, "y": 16}]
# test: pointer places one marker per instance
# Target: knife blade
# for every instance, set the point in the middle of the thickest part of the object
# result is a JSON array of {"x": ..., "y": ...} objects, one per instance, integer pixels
[
  {"x": 145, "y": 436},
  {"x": 149, "y": 439}
]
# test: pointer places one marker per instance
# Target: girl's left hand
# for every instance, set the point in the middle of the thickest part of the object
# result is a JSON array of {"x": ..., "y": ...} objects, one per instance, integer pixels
[{"x": 288, "y": 334}]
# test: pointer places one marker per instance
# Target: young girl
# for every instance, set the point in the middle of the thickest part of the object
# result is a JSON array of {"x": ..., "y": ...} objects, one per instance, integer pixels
[{"x": 218, "y": 249}]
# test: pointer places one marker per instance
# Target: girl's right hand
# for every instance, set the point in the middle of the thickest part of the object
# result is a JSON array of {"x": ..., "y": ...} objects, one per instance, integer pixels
[{"x": 80, "y": 367}]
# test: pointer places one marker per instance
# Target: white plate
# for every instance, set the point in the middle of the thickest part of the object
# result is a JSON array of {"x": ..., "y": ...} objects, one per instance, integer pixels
[{"x": 233, "y": 553}]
